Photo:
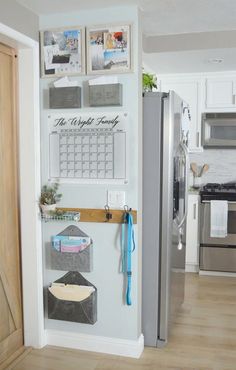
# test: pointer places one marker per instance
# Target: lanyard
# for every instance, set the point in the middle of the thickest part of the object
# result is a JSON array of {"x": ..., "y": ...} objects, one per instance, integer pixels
[{"x": 127, "y": 248}]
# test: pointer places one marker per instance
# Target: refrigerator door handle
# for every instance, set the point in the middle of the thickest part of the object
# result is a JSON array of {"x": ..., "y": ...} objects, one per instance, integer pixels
[{"x": 186, "y": 156}]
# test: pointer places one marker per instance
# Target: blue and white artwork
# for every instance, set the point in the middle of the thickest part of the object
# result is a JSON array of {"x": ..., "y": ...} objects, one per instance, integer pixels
[{"x": 62, "y": 52}]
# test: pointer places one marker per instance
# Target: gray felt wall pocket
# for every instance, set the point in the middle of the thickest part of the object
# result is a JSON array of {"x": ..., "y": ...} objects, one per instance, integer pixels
[
  {"x": 105, "y": 95},
  {"x": 83, "y": 311},
  {"x": 65, "y": 97},
  {"x": 71, "y": 261}
]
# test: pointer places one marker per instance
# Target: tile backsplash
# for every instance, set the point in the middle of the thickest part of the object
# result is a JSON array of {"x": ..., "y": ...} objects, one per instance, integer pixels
[{"x": 222, "y": 164}]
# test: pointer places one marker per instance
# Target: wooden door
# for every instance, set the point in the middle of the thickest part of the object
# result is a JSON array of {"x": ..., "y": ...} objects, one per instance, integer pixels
[{"x": 11, "y": 333}]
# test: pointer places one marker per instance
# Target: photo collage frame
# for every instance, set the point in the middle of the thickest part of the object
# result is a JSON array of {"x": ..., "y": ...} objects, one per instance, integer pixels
[{"x": 108, "y": 50}]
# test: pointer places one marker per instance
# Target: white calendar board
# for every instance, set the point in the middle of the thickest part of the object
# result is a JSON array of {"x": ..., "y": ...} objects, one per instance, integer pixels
[{"x": 88, "y": 147}]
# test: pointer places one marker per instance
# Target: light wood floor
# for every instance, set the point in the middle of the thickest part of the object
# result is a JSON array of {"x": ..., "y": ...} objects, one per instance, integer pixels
[{"x": 203, "y": 337}]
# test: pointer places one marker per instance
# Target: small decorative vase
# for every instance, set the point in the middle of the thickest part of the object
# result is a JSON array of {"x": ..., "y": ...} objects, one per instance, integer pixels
[
  {"x": 47, "y": 208},
  {"x": 197, "y": 182}
]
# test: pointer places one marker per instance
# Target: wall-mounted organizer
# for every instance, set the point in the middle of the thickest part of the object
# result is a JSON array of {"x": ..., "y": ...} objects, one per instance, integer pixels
[
  {"x": 65, "y": 97},
  {"x": 101, "y": 215},
  {"x": 73, "y": 298},
  {"x": 63, "y": 216},
  {"x": 105, "y": 95},
  {"x": 72, "y": 250}
]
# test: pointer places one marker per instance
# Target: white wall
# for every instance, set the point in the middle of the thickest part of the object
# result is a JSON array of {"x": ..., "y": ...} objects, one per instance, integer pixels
[
  {"x": 29, "y": 166},
  {"x": 29, "y": 181},
  {"x": 115, "y": 319},
  {"x": 13, "y": 15}
]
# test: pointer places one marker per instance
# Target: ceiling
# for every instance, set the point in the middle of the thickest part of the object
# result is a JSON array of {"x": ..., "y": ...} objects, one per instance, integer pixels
[
  {"x": 165, "y": 17},
  {"x": 169, "y": 18},
  {"x": 42, "y": 7},
  {"x": 160, "y": 17},
  {"x": 192, "y": 61}
]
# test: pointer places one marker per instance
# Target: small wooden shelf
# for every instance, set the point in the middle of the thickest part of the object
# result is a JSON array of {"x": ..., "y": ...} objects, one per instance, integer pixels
[{"x": 99, "y": 215}]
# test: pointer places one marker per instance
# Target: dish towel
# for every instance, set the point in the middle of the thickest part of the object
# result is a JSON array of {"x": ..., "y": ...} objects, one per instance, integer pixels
[{"x": 219, "y": 218}]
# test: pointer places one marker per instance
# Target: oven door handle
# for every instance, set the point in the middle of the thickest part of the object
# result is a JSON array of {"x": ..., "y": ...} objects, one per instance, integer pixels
[
  {"x": 186, "y": 156},
  {"x": 208, "y": 201}
]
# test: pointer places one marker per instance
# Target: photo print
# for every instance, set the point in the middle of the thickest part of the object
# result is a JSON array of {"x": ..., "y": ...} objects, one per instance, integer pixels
[
  {"x": 109, "y": 49},
  {"x": 62, "y": 52}
]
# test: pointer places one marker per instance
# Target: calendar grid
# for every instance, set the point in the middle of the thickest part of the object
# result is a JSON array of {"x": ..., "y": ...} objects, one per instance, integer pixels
[{"x": 86, "y": 154}]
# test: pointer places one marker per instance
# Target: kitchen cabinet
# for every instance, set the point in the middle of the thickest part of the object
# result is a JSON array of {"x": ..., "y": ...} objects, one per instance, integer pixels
[
  {"x": 220, "y": 93},
  {"x": 189, "y": 90},
  {"x": 192, "y": 234}
]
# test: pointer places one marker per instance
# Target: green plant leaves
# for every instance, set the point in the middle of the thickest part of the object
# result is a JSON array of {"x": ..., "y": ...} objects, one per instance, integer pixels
[
  {"x": 49, "y": 194},
  {"x": 149, "y": 82}
]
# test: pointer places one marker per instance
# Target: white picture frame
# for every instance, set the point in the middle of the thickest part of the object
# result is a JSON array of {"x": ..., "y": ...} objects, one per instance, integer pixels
[
  {"x": 62, "y": 52},
  {"x": 109, "y": 49}
]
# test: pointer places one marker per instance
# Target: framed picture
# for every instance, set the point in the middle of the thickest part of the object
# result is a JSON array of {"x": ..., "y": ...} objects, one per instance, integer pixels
[
  {"x": 62, "y": 52},
  {"x": 109, "y": 49}
]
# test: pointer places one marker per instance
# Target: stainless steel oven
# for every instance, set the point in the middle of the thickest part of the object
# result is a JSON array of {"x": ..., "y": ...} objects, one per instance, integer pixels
[
  {"x": 217, "y": 254},
  {"x": 219, "y": 130}
]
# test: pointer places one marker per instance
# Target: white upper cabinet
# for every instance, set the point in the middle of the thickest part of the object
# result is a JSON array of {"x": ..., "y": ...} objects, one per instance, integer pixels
[
  {"x": 220, "y": 93},
  {"x": 189, "y": 91}
]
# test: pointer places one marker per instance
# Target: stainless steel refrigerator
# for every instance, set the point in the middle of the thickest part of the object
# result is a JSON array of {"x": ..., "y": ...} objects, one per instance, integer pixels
[{"x": 165, "y": 186}]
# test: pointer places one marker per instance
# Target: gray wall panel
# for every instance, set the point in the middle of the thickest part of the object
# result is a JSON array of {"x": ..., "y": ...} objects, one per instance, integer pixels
[{"x": 15, "y": 16}]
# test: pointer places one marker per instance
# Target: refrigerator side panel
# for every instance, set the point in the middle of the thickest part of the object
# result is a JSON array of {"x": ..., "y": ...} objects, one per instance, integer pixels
[{"x": 152, "y": 110}]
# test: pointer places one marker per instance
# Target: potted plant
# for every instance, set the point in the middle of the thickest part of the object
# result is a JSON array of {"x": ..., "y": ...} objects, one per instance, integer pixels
[
  {"x": 49, "y": 198},
  {"x": 149, "y": 82}
]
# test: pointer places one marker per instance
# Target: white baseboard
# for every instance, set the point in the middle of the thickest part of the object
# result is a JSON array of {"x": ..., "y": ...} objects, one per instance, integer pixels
[
  {"x": 217, "y": 273},
  {"x": 191, "y": 268},
  {"x": 85, "y": 342}
]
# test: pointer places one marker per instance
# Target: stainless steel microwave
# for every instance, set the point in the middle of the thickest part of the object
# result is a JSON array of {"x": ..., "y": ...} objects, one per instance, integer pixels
[{"x": 219, "y": 130}]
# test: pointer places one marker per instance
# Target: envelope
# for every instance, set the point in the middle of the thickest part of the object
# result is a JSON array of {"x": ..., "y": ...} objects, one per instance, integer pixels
[
  {"x": 72, "y": 250},
  {"x": 81, "y": 307}
]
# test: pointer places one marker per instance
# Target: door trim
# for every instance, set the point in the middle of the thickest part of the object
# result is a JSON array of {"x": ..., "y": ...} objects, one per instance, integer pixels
[{"x": 29, "y": 132}]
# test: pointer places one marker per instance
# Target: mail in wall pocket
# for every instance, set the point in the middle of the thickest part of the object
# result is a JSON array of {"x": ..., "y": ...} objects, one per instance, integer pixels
[
  {"x": 71, "y": 250},
  {"x": 72, "y": 298}
]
